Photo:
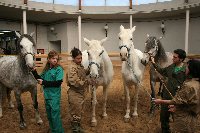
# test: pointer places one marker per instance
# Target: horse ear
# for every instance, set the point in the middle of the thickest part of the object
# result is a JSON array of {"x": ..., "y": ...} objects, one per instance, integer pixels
[
  {"x": 103, "y": 40},
  {"x": 17, "y": 34},
  {"x": 133, "y": 29},
  {"x": 147, "y": 35},
  {"x": 86, "y": 41},
  {"x": 32, "y": 34},
  {"x": 121, "y": 27}
]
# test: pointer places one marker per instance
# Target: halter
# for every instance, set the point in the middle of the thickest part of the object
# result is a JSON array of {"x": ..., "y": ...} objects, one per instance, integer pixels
[
  {"x": 156, "y": 46},
  {"x": 128, "y": 49},
  {"x": 29, "y": 53},
  {"x": 92, "y": 62}
]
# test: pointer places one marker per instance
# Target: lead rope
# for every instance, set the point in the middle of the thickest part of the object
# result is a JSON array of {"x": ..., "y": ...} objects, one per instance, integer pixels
[
  {"x": 162, "y": 81},
  {"x": 153, "y": 104}
]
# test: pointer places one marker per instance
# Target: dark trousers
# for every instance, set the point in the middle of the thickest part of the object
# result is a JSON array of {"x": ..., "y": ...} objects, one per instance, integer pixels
[{"x": 164, "y": 119}]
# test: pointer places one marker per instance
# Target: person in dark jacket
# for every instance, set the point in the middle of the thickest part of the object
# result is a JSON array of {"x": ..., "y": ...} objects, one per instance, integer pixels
[
  {"x": 175, "y": 76},
  {"x": 186, "y": 103}
]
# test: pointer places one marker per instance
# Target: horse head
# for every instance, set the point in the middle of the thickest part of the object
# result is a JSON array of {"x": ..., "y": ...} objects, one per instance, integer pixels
[
  {"x": 95, "y": 55},
  {"x": 26, "y": 48},
  {"x": 125, "y": 42},
  {"x": 152, "y": 47}
]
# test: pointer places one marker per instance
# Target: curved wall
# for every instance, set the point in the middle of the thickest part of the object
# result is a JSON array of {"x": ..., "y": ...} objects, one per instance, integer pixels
[{"x": 68, "y": 34}]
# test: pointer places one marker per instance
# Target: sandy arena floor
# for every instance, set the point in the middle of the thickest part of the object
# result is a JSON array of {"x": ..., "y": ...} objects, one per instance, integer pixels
[{"x": 115, "y": 110}]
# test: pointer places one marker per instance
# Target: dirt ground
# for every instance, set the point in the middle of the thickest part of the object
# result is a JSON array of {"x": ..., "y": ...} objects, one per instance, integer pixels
[{"x": 115, "y": 110}]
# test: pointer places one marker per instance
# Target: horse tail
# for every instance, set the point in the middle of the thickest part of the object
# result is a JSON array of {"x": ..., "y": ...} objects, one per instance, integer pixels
[{"x": 3, "y": 91}]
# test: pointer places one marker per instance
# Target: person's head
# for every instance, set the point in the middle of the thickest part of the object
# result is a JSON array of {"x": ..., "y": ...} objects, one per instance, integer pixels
[
  {"x": 53, "y": 58},
  {"x": 179, "y": 56},
  {"x": 76, "y": 55},
  {"x": 193, "y": 68}
]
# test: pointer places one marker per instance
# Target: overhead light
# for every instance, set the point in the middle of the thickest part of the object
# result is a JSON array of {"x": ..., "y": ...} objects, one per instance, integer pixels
[
  {"x": 106, "y": 29},
  {"x": 5, "y": 31},
  {"x": 1, "y": 33}
]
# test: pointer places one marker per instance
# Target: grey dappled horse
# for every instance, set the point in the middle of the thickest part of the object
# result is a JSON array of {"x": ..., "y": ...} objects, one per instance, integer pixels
[
  {"x": 154, "y": 48},
  {"x": 15, "y": 75}
]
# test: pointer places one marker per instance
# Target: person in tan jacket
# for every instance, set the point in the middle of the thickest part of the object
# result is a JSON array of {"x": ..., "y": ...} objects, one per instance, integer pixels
[
  {"x": 77, "y": 82},
  {"x": 186, "y": 103}
]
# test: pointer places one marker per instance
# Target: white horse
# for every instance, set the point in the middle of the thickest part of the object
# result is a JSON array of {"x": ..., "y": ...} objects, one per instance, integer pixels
[
  {"x": 101, "y": 69},
  {"x": 132, "y": 68}
]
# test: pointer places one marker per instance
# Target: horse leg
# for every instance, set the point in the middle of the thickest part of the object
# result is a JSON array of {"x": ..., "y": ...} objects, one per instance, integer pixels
[
  {"x": 11, "y": 105},
  {"x": 1, "y": 100},
  {"x": 35, "y": 105},
  {"x": 135, "y": 114},
  {"x": 127, "y": 116},
  {"x": 94, "y": 102},
  {"x": 152, "y": 83},
  {"x": 160, "y": 89},
  {"x": 105, "y": 95},
  {"x": 22, "y": 124}
]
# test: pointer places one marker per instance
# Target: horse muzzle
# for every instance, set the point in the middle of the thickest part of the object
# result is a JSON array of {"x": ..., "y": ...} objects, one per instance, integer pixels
[{"x": 123, "y": 56}]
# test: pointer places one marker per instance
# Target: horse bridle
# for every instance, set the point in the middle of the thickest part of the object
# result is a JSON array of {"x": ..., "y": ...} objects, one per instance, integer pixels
[
  {"x": 156, "y": 46},
  {"x": 128, "y": 49},
  {"x": 92, "y": 62}
]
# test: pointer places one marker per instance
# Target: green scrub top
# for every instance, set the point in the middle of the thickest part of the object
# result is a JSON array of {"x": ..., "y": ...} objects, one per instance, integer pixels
[{"x": 53, "y": 74}]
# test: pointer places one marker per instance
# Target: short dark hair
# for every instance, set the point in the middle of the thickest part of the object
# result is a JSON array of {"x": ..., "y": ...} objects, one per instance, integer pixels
[
  {"x": 75, "y": 52},
  {"x": 194, "y": 68},
  {"x": 181, "y": 53}
]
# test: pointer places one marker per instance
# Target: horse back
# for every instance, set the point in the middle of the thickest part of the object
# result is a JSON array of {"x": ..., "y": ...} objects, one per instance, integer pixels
[{"x": 13, "y": 75}]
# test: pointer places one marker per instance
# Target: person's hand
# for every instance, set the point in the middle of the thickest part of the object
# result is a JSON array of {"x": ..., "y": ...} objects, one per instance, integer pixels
[
  {"x": 39, "y": 81},
  {"x": 172, "y": 108},
  {"x": 157, "y": 101},
  {"x": 92, "y": 82},
  {"x": 33, "y": 69},
  {"x": 152, "y": 59}
]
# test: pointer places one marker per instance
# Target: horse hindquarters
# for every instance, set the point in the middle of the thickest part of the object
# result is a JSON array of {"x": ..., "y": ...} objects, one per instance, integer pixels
[
  {"x": 3, "y": 94},
  {"x": 1, "y": 100}
]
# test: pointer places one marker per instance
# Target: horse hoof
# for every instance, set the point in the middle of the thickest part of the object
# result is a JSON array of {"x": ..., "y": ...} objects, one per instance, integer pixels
[
  {"x": 135, "y": 114},
  {"x": 22, "y": 126},
  {"x": 105, "y": 117},
  {"x": 11, "y": 106},
  {"x": 126, "y": 120},
  {"x": 40, "y": 122},
  {"x": 93, "y": 124}
]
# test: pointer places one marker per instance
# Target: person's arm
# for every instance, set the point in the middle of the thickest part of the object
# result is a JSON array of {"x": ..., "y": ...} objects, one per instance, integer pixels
[
  {"x": 73, "y": 78},
  {"x": 35, "y": 74},
  {"x": 162, "y": 71},
  {"x": 160, "y": 101},
  {"x": 187, "y": 95},
  {"x": 52, "y": 83},
  {"x": 57, "y": 82}
]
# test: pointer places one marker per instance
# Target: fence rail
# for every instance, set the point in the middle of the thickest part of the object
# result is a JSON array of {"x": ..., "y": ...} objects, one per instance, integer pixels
[{"x": 65, "y": 59}]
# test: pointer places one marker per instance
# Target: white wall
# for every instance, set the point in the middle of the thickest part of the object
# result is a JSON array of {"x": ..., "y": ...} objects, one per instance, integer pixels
[{"x": 68, "y": 34}]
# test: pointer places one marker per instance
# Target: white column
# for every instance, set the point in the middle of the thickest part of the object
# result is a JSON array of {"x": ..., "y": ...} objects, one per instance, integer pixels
[
  {"x": 187, "y": 29},
  {"x": 136, "y": 2},
  {"x": 131, "y": 21},
  {"x": 79, "y": 32},
  {"x": 24, "y": 22}
]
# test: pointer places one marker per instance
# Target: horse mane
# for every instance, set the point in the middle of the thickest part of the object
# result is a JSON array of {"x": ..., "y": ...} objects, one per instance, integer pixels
[
  {"x": 160, "y": 55},
  {"x": 20, "y": 39}
]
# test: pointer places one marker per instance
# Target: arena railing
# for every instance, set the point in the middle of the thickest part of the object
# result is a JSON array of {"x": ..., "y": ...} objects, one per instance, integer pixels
[{"x": 65, "y": 59}]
